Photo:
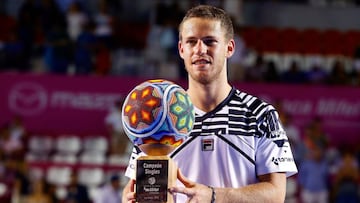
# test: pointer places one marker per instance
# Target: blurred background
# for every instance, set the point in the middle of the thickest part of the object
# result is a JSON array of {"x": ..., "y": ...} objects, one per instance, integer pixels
[{"x": 67, "y": 65}]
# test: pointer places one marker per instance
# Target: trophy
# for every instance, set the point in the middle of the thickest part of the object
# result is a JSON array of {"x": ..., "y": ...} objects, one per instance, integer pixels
[{"x": 157, "y": 117}]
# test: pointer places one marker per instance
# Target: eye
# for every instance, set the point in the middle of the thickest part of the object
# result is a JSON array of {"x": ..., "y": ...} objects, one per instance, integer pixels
[
  {"x": 191, "y": 42},
  {"x": 209, "y": 41}
]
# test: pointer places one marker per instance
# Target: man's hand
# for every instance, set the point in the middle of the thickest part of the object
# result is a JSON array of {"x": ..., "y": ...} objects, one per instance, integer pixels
[
  {"x": 194, "y": 191},
  {"x": 128, "y": 195}
]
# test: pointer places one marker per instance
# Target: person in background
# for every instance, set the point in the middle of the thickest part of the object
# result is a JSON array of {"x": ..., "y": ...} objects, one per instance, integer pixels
[
  {"x": 12, "y": 147},
  {"x": 316, "y": 74},
  {"x": 346, "y": 177},
  {"x": 76, "y": 192},
  {"x": 27, "y": 23},
  {"x": 294, "y": 75},
  {"x": 355, "y": 75},
  {"x": 271, "y": 74},
  {"x": 86, "y": 45},
  {"x": 39, "y": 192},
  {"x": 315, "y": 135},
  {"x": 255, "y": 73},
  {"x": 58, "y": 52},
  {"x": 76, "y": 20},
  {"x": 12, "y": 54},
  {"x": 110, "y": 192},
  {"x": 113, "y": 122},
  {"x": 236, "y": 66},
  {"x": 104, "y": 22},
  {"x": 338, "y": 74},
  {"x": 250, "y": 156},
  {"x": 292, "y": 131},
  {"x": 355, "y": 70},
  {"x": 314, "y": 177}
]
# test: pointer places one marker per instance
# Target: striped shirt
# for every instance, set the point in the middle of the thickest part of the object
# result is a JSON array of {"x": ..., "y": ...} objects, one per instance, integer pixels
[{"x": 233, "y": 144}]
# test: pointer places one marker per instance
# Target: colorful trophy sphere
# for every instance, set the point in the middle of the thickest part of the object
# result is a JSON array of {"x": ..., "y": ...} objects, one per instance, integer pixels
[{"x": 158, "y": 112}]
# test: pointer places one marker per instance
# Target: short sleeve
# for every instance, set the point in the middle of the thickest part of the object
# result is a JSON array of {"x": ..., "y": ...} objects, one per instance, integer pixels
[{"x": 273, "y": 152}]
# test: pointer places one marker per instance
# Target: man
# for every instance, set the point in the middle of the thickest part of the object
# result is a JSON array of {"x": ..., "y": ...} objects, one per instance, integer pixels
[
  {"x": 247, "y": 157},
  {"x": 110, "y": 192},
  {"x": 113, "y": 121},
  {"x": 76, "y": 191}
]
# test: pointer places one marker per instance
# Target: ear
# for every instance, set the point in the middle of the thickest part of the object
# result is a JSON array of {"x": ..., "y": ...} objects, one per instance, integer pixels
[
  {"x": 230, "y": 48},
  {"x": 181, "y": 49}
]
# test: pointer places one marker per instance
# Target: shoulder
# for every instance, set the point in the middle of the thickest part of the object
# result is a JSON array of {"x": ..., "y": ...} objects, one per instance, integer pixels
[{"x": 250, "y": 102}]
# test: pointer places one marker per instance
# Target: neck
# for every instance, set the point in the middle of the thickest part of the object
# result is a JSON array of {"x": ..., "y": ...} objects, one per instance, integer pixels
[{"x": 207, "y": 96}]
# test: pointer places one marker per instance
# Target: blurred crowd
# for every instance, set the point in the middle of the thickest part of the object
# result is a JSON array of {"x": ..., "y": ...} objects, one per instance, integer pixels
[
  {"x": 266, "y": 71},
  {"x": 328, "y": 171},
  {"x": 61, "y": 39},
  {"x": 45, "y": 37},
  {"x": 23, "y": 182}
]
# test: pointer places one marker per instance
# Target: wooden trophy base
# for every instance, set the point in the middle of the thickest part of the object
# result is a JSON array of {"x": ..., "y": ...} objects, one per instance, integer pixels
[{"x": 154, "y": 175}]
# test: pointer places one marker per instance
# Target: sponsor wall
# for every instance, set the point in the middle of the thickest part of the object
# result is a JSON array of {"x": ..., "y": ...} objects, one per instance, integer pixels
[
  {"x": 61, "y": 104},
  {"x": 79, "y": 104}
]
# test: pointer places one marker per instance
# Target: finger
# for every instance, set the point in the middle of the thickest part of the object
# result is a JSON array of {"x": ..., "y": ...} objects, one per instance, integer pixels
[
  {"x": 184, "y": 180},
  {"x": 130, "y": 197},
  {"x": 186, "y": 191},
  {"x": 128, "y": 192},
  {"x": 132, "y": 185}
]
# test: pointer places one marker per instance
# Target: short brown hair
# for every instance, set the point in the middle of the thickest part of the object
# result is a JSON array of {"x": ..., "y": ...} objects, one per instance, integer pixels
[{"x": 212, "y": 13}]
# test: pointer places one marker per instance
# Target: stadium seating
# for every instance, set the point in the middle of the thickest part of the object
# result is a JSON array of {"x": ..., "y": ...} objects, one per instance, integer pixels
[
  {"x": 56, "y": 157},
  {"x": 305, "y": 46},
  {"x": 290, "y": 41},
  {"x": 91, "y": 177},
  {"x": 68, "y": 144},
  {"x": 250, "y": 36},
  {"x": 39, "y": 147},
  {"x": 97, "y": 144},
  {"x": 93, "y": 158},
  {"x": 268, "y": 40},
  {"x": 8, "y": 26},
  {"x": 59, "y": 175},
  {"x": 64, "y": 158},
  {"x": 351, "y": 40}
]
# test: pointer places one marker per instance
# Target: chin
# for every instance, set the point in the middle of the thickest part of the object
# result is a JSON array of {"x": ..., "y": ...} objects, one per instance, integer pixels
[{"x": 202, "y": 78}]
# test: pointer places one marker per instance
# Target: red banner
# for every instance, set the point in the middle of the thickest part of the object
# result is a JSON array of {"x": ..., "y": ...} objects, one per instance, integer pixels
[
  {"x": 61, "y": 104},
  {"x": 338, "y": 107},
  {"x": 79, "y": 104}
]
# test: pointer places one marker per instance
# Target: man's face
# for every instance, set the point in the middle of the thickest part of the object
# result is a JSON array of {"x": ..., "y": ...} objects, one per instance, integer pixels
[
  {"x": 204, "y": 49},
  {"x": 115, "y": 184}
]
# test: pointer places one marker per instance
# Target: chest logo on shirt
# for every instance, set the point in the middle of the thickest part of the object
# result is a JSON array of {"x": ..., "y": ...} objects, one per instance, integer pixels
[{"x": 207, "y": 144}]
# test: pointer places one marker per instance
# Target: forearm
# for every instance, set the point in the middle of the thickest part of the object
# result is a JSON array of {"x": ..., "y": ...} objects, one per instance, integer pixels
[
  {"x": 271, "y": 188},
  {"x": 260, "y": 192}
]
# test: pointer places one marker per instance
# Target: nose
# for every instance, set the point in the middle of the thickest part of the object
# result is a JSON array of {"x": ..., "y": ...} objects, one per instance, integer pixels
[{"x": 200, "y": 47}]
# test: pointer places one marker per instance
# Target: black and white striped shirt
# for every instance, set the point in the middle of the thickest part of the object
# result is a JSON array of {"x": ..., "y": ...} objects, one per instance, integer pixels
[{"x": 233, "y": 144}]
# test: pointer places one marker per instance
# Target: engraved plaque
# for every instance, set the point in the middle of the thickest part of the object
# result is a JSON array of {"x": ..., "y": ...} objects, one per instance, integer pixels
[
  {"x": 152, "y": 180},
  {"x": 154, "y": 175}
]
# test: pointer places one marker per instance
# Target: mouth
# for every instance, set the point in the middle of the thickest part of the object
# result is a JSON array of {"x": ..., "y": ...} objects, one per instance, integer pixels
[{"x": 201, "y": 62}]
